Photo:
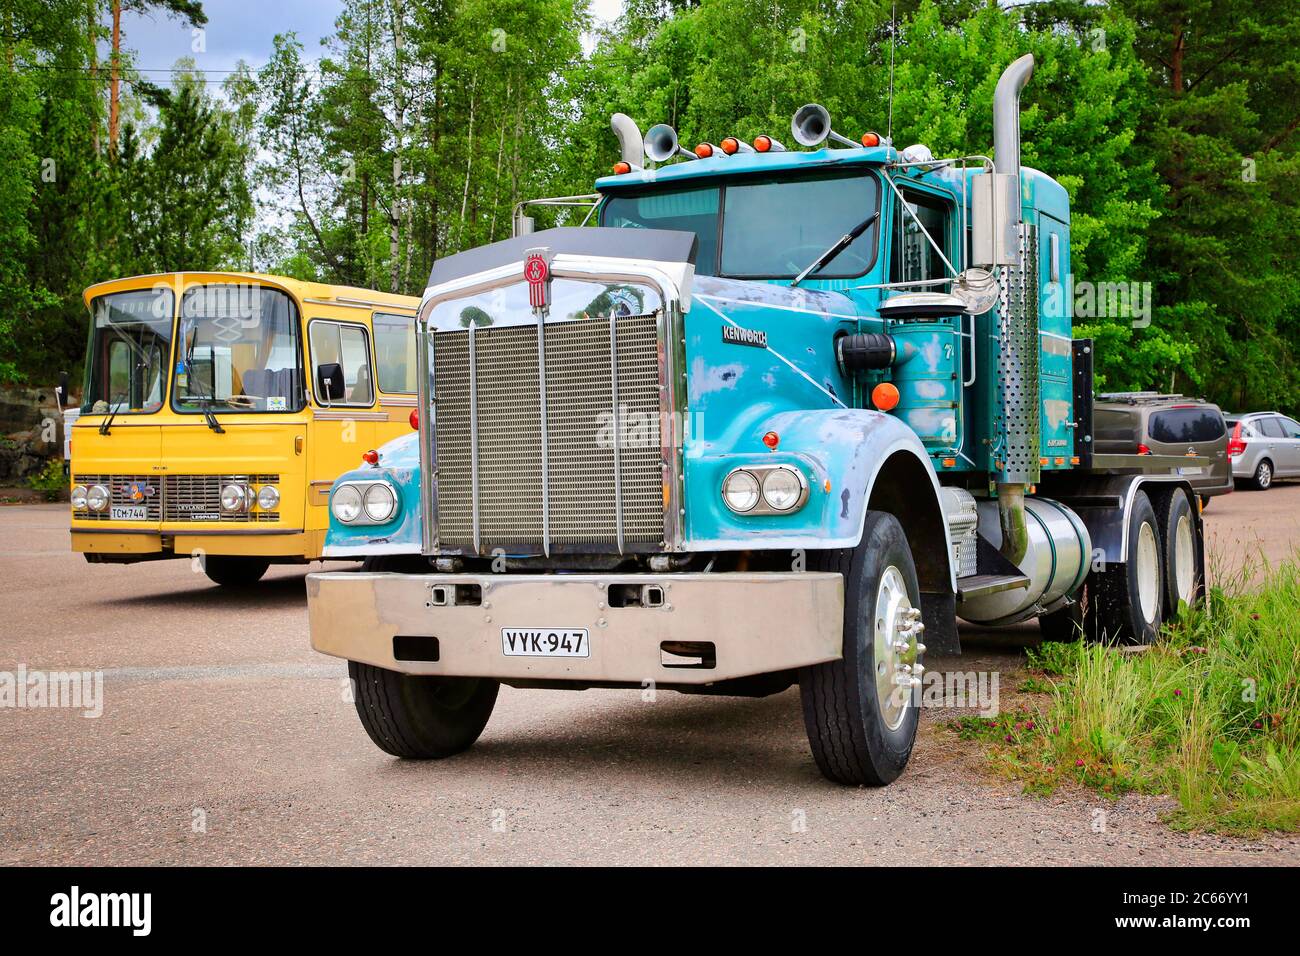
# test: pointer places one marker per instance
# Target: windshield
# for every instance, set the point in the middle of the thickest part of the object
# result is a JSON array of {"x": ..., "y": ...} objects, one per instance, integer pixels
[
  {"x": 130, "y": 347},
  {"x": 238, "y": 351},
  {"x": 771, "y": 229}
]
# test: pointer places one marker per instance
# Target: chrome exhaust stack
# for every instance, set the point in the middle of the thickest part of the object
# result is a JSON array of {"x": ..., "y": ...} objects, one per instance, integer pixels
[
  {"x": 630, "y": 143},
  {"x": 1012, "y": 248}
]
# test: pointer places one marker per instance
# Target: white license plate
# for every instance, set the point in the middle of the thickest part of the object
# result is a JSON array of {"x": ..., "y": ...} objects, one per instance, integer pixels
[
  {"x": 1195, "y": 470},
  {"x": 128, "y": 513},
  {"x": 545, "y": 642}
]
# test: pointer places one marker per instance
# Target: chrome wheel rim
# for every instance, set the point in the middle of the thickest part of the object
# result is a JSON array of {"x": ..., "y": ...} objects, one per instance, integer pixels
[
  {"x": 1184, "y": 558},
  {"x": 1264, "y": 476},
  {"x": 897, "y": 629},
  {"x": 1148, "y": 572}
]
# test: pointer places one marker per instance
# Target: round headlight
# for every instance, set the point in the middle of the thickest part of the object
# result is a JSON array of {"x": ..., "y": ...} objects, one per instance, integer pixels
[
  {"x": 268, "y": 498},
  {"x": 97, "y": 498},
  {"x": 79, "y": 498},
  {"x": 380, "y": 502},
  {"x": 346, "y": 503},
  {"x": 740, "y": 491},
  {"x": 782, "y": 489},
  {"x": 234, "y": 498}
]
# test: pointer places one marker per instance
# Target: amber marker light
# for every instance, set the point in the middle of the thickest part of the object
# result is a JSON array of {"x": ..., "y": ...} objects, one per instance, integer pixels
[
  {"x": 771, "y": 440},
  {"x": 730, "y": 145},
  {"x": 870, "y": 139},
  {"x": 371, "y": 457},
  {"x": 885, "y": 396},
  {"x": 762, "y": 143},
  {"x": 414, "y": 419},
  {"x": 622, "y": 168}
]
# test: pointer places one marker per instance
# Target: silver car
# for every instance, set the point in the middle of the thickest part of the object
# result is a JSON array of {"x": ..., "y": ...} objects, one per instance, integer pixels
[{"x": 1263, "y": 446}]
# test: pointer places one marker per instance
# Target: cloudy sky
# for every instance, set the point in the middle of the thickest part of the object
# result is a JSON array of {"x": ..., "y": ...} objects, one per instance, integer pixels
[{"x": 243, "y": 29}]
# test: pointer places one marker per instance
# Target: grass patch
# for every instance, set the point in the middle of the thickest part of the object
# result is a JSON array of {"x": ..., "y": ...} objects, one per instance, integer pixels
[{"x": 1211, "y": 715}]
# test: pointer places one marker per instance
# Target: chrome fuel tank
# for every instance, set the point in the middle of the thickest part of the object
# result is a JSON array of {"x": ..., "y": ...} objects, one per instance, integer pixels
[{"x": 1056, "y": 562}]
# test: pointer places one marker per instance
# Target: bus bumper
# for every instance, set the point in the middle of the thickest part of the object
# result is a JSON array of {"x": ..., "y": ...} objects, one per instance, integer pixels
[{"x": 709, "y": 627}]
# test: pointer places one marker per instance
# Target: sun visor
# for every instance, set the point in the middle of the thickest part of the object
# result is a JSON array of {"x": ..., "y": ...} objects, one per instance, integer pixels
[{"x": 654, "y": 245}]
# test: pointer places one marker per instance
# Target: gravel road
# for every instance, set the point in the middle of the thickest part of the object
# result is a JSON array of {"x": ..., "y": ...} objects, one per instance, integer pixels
[{"x": 225, "y": 739}]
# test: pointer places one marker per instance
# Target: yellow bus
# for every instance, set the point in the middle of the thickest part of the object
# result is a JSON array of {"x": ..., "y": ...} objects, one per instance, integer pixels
[{"x": 218, "y": 408}]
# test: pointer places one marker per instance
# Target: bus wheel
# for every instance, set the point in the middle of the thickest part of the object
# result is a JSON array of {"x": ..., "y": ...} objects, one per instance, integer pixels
[
  {"x": 409, "y": 715},
  {"x": 1126, "y": 602},
  {"x": 234, "y": 572},
  {"x": 859, "y": 711},
  {"x": 1178, "y": 543}
]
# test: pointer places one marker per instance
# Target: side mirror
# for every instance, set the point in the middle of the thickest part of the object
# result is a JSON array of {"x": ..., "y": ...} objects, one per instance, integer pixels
[{"x": 329, "y": 382}]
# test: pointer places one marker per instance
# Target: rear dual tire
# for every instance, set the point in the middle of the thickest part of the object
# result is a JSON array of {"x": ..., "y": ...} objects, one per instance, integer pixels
[{"x": 1124, "y": 604}]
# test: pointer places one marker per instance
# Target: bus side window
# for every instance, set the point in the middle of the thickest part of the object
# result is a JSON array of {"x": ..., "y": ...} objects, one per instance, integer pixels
[
  {"x": 395, "y": 353},
  {"x": 349, "y": 346}
]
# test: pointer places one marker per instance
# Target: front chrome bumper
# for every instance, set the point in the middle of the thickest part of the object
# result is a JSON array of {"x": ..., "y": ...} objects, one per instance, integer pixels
[{"x": 756, "y": 623}]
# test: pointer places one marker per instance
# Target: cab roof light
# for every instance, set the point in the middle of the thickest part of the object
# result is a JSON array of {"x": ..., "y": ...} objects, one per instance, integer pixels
[
  {"x": 766, "y": 144},
  {"x": 622, "y": 168},
  {"x": 731, "y": 145},
  {"x": 870, "y": 139},
  {"x": 708, "y": 151}
]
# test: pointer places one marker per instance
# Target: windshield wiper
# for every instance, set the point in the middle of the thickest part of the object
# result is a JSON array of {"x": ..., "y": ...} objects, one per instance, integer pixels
[
  {"x": 844, "y": 242},
  {"x": 205, "y": 406},
  {"x": 107, "y": 423},
  {"x": 205, "y": 403}
]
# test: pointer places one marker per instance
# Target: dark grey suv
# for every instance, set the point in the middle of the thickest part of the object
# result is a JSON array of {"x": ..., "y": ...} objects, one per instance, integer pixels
[{"x": 1148, "y": 423}]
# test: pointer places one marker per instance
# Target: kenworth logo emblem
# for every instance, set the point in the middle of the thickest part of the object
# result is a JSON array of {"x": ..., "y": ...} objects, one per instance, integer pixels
[
  {"x": 735, "y": 335},
  {"x": 538, "y": 275}
]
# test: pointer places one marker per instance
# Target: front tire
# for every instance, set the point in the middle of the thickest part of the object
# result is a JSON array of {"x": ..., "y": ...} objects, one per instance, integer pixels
[
  {"x": 1125, "y": 604},
  {"x": 859, "y": 711},
  {"x": 420, "y": 717},
  {"x": 234, "y": 572}
]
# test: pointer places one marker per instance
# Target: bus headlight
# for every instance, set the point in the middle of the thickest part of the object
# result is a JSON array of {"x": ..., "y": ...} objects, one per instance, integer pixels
[
  {"x": 346, "y": 503},
  {"x": 97, "y": 498},
  {"x": 234, "y": 499},
  {"x": 268, "y": 497},
  {"x": 79, "y": 498},
  {"x": 380, "y": 502}
]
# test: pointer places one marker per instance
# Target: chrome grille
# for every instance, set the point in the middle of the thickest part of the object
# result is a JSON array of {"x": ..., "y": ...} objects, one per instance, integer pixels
[
  {"x": 198, "y": 497},
  {"x": 119, "y": 495},
  {"x": 492, "y": 375}
]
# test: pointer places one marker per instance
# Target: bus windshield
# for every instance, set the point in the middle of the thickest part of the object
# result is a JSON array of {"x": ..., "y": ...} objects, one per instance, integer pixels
[
  {"x": 130, "y": 347},
  {"x": 238, "y": 351}
]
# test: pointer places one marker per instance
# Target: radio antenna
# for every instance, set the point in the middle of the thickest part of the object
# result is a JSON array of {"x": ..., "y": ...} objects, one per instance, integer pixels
[{"x": 893, "y": 25}]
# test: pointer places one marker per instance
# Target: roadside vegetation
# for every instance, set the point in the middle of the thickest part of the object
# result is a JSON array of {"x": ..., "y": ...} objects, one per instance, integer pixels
[{"x": 1210, "y": 716}]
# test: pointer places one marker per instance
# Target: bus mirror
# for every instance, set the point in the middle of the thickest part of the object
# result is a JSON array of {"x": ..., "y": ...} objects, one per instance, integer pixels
[{"x": 329, "y": 382}]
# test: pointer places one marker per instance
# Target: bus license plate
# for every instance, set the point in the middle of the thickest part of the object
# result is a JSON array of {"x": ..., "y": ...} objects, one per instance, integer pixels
[
  {"x": 545, "y": 642},
  {"x": 128, "y": 513}
]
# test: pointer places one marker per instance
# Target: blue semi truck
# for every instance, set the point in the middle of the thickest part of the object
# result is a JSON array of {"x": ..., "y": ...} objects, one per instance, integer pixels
[{"x": 776, "y": 416}]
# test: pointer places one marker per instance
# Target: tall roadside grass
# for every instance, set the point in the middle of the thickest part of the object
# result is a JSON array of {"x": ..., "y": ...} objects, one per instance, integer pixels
[{"x": 1210, "y": 715}]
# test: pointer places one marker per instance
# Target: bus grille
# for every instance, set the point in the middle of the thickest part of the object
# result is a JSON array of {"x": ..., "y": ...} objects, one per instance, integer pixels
[
  {"x": 601, "y": 383},
  {"x": 198, "y": 497},
  {"x": 119, "y": 495}
]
